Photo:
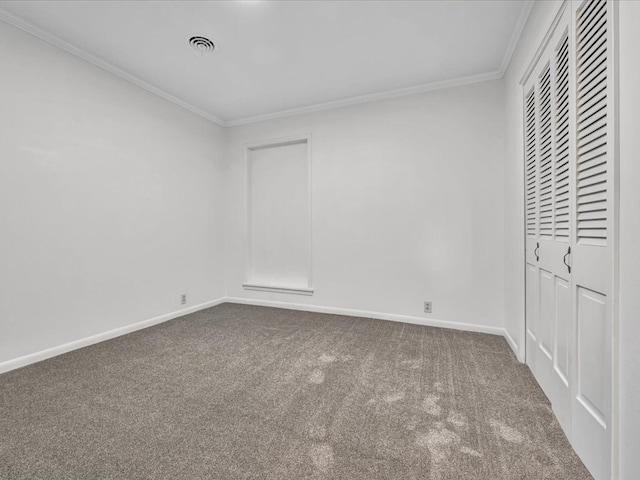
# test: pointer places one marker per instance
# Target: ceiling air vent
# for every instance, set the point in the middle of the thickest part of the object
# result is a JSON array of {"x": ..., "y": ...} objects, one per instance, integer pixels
[{"x": 202, "y": 44}]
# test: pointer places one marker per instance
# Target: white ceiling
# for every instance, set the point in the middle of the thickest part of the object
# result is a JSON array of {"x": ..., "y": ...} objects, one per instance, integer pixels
[{"x": 281, "y": 57}]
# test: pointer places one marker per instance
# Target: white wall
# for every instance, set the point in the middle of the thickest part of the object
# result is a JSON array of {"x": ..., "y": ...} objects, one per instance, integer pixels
[
  {"x": 407, "y": 198},
  {"x": 629, "y": 61},
  {"x": 538, "y": 23},
  {"x": 110, "y": 200}
]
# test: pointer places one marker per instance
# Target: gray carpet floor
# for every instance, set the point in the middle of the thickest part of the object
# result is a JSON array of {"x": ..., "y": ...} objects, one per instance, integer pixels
[{"x": 242, "y": 392}]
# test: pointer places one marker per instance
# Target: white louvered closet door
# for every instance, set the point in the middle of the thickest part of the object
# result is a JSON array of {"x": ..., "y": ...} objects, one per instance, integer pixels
[
  {"x": 593, "y": 240},
  {"x": 532, "y": 223},
  {"x": 548, "y": 188},
  {"x": 569, "y": 219}
]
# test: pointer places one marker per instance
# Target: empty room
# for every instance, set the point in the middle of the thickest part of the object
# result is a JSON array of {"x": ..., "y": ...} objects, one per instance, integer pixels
[{"x": 316, "y": 239}]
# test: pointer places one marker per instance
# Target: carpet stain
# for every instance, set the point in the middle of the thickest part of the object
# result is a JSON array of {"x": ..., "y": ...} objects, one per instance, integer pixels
[
  {"x": 325, "y": 358},
  {"x": 413, "y": 423},
  {"x": 437, "y": 441},
  {"x": 322, "y": 457},
  {"x": 317, "y": 432},
  {"x": 457, "y": 420},
  {"x": 394, "y": 397},
  {"x": 470, "y": 451},
  {"x": 430, "y": 405},
  {"x": 506, "y": 432},
  {"x": 316, "y": 377},
  {"x": 412, "y": 364}
]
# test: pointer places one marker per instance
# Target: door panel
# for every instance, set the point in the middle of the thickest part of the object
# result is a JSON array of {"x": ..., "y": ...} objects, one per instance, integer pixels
[
  {"x": 545, "y": 332},
  {"x": 532, "y": 314},
  {"x": 547, "y": 304},
  {"x": 562, "y": 329},
  {"x": 593, "y": 369},
  {"x": 592, "y": 349},
  {"x": 561, "y": 375}
]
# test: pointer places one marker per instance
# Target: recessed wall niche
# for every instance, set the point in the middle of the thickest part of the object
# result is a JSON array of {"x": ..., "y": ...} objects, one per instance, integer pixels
[{"x": 278, "y": 216}]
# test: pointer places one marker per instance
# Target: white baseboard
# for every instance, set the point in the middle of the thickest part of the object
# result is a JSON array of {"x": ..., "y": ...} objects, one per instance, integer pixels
[
  {"x": 429, "y": 322},
  {"x": 101, "y": 337},
  {"x": 512, "y": 343}
]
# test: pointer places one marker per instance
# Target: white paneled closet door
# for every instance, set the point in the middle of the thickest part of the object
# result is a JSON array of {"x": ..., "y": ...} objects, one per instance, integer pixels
[
  {"x": 569, "y": 220},
  {"x": 532, "y": 223},
  {"x": 559, "y": 250},
  {"x": 548, "y": 147},
  {"x": 593, "y": 239}
]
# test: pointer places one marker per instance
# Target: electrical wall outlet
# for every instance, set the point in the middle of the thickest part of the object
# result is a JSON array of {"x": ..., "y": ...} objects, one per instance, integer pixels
[
  {"x": 427, "y": 307},
  {"x": 183, "y": 299}
]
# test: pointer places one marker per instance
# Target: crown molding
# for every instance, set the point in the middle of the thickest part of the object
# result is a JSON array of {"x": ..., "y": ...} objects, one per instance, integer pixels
[
  {"x": 360, "y": 99},
  {"x": 373, "y": 97},
  {"x": 515, "y": 36},
  {"x": 28, "y": 27}
]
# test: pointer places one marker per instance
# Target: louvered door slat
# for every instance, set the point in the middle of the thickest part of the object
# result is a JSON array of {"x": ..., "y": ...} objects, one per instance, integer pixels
[
  {"x": 587, "y": 96},
  {"x": 562, "y": 143},
  {"x": 562, "y": 172},
  {"x": 588, "y": 203},
  {"x": 593, "y": 108},
  {"x": 594, "y": 65},
  {"x": 593, "y": 234},
  {"x": 597, "y": 169},
  {"x": 593, "y": 215},
  {"x": 593, "y": 185},
  {"x": 591, "y": 47},
  {"x": 588, "y": 132},
  {"x": 592, "y": 151},
  {"x": 591, "y": 86},
  {"x": 593, "y": 176},
  {"x": 590, "y": 128}
]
